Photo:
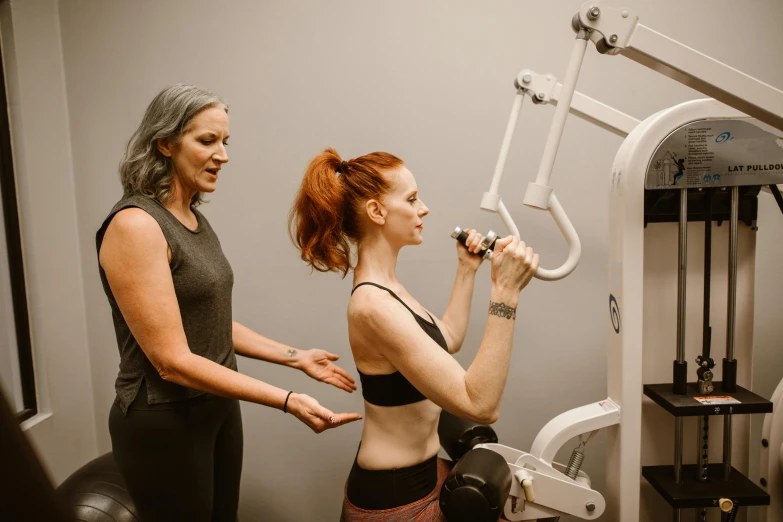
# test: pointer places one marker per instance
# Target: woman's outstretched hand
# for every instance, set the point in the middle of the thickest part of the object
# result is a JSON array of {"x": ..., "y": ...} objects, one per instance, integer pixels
[
  {"x": 318, "y": 364},
  {"x": 318, "y": 418}
]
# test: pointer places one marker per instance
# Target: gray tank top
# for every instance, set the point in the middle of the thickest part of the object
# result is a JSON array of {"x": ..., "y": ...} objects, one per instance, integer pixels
[{"x": 203, "y": 282}]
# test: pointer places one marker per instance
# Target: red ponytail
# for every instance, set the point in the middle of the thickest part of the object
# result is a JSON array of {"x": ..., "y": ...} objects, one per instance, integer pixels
[{"x": 325, "y": 216}]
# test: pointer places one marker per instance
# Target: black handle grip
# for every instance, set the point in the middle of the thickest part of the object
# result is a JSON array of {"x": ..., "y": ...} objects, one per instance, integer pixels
[{"x": 462, "y": 236}]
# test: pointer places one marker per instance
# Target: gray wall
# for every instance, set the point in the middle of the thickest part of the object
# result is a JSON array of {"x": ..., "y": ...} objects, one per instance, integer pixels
[{"x": 430, "y": 82}]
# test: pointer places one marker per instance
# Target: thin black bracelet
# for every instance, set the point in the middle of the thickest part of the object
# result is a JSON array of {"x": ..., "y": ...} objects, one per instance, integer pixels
[{"x": 285, "y": 404}]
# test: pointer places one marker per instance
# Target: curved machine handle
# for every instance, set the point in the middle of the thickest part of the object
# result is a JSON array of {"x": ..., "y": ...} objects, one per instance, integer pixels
[
  {"x": 572, "y": 239},
  {"x": 563, "y": 223},
  {"x": 566, "y": 228},
  {"x": 539, "y": 194}
]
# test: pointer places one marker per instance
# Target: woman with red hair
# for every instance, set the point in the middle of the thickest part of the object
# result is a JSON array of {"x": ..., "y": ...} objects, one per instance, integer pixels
[{"x": 402, "y": 352}]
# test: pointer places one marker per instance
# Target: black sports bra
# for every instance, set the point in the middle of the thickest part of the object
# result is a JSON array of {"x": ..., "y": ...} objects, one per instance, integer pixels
[{"x": 394, "y": 389}]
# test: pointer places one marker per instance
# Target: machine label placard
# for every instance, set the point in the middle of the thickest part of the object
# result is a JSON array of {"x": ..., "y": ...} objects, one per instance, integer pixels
[
  {"x": 717, "y": 400},
  {"x": 717, "y": 153}
]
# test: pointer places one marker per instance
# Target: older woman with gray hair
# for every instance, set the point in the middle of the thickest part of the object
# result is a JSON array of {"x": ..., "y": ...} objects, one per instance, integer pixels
[{"x": 175, "y": 424}]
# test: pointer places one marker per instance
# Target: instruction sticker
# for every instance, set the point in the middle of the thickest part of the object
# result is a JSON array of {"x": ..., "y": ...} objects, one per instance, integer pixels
[
  {"x": 717, "y": 400},
  {"x": 717, "y": 153}
]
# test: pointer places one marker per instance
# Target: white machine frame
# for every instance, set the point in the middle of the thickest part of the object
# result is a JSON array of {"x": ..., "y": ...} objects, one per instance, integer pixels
[
  {"x": 771, "y": 457},
  {"x": 540, "y": 488}
]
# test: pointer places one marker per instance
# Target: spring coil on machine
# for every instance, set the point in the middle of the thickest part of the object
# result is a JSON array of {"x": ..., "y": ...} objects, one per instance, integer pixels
[
  {"x": 572, "y": 470},
  {"x": 575, "y": 463}
]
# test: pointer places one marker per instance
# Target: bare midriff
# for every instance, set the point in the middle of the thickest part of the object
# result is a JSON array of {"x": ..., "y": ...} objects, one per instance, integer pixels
[{"x": 399, "y": 436}]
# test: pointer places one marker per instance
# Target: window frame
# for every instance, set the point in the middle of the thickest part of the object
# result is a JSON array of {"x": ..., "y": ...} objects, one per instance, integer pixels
[{"x": 13, "y": 235}]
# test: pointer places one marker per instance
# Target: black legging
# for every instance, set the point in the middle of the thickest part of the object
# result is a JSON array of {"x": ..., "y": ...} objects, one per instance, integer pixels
[{"x": 182, "y": 461}]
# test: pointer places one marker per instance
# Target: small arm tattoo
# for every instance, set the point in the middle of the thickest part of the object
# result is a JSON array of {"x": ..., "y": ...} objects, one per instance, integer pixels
[
  {"x": 292, "y": 353},
  {"x": 502, "y": 310}
]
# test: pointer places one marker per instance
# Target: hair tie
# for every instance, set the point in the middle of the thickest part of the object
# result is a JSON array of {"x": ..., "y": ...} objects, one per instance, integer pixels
[{"x": 341, "y": 167}]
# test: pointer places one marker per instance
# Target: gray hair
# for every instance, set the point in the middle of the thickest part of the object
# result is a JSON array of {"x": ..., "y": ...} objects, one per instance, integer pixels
[{"x": 143, "y": 169}]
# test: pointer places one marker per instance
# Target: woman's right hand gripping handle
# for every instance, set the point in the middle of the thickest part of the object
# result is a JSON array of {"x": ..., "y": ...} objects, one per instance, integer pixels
[{"x": 513, "y": 266}]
